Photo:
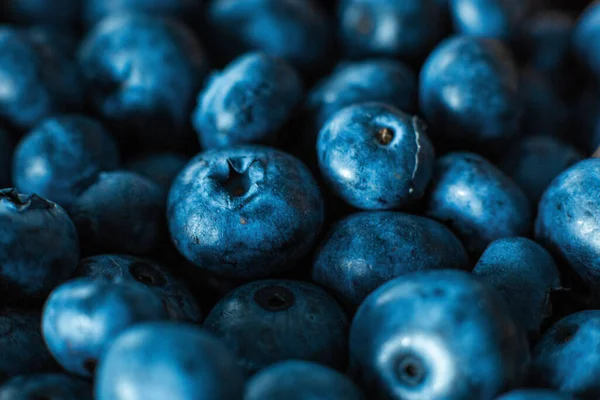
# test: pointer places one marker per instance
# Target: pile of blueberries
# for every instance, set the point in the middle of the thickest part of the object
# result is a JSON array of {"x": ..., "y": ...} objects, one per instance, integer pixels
[{"x": 299, "y": 199}]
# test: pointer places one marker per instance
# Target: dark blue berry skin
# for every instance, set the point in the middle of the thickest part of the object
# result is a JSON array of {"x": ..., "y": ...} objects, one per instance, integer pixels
[
  {"x": 62, "y": 157},
  {"x": 165, "y": 360},
  {"x": 535, "y": 394},
  {"x": 46, "y": 386},
  {"x": 524, "y": 274},
  {"x": 6, "y": 151},
  {"x": 82, "y": 317},
  {"x": 143, "y": 74},
  {"x": 161, "y": 168},
  {"x": 122, "y": 212},
  {"x": 247, "y": 102},
  {"x": 477, "y": 201},
  {"x": 565, "y": 358},
  {"x": 534, "y": 163},
  {"x": 43, "y": 12},
  {"x": 96, "y": 10},
  {"x": 365, "y": 250},
  {"x": 584, "y": 41},
  {"x": 375, "y": 157},
  {"x": 39, "y": 247},
  {"x": 39, "y": 80},
  {"x": 177, "y": 299},
  {"x": 246, "y": 212},
  {"x": 436, "y": 335},
  {"x": 301, "y": 380},
  {"x": 469, "y": 93},
  {"x": 275, "y": 320},
  {"x": 295, "y": 30}
]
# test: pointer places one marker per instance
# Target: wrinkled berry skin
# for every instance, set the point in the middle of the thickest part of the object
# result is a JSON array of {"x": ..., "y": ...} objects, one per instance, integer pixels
[
  {"x": 143, "y": 74},
  {"x": 62, "y": 157},
  {"x": 469, "y": 92},
  {"x": 247, "y": 102},
  {"x": 375, "y": 157},
  {"x": 30, "y": 12},
  {"x": 246, "y": 212},
  {"x": 477, "y": 201},
  {"x": 535, "y": 394},
  {"x": 365, "y": 250},
  {"x": 96, "y": 10},
  {"x": 46, "y": 386},
  {"x": 565, "y": 358},
  {"x": 301, "y": 380},
  {"x": 161, "y": 168},
  {"x": 39, "y": 247},
  {"x": 6, "y": 151},
  {"x": 524, "y": 274},
  {"x": 535, "y": 162},
  {"x": 122, "y": 212},
  {"x": 162, "y": 360},
  {"x": 38, "y": 80},
  {"x": 275, "y": 320},
  {"x": 585, "y": 35},
  {"x": 178, "y": 300},
  {"x": 436, "y": 335},
  {"x": 83, "y": 316}
]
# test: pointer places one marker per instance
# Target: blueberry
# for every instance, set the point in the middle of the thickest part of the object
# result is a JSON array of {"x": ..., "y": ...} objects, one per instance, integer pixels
[
  {"x": 375, "y": 157},
  {"x": 477, "y": 201},
  {"x": 82, "y": 317},
  {"x": 39, "y": 248},
  {"x": 246, "y": 212},
  {"x": 96, "y": 10},
  {"x": 161, "y": 360},
  {"x": 62, "y": 157},
  {"x": 264, "y": 322},
  {"x": 365, "y": 250},
  {"x": 6, "y": 151},
  {"x": 584, "y": 40},
  {"x": 161, "y": 168},
  {"x": 535, "y": 394},
  {"x": 248, "y": 102},
  {"x": 56, "y": 13},
  {"x": 469, "y": 92},
  {"x": 436, "y": 335},
  {"x": 122, "y": 212},
  {"x": 46, "y": 387},
  {"x": 301, "y": 380}
]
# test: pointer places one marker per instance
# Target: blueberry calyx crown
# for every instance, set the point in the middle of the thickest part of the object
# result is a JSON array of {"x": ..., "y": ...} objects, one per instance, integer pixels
[
  {"x": 385, "y": 135},
  {"x": 242, "y": 174},
  {"x": 21, "y": 202},
  {"x": 274, "y": 298},
  {"x": 146, "y": 274},
  {"x": 410, "y": 370}
]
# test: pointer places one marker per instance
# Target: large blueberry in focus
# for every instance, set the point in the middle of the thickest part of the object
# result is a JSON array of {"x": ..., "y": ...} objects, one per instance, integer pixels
[
  {"x": 585, "y": 38},
  {"x": 246, "y": 212},
  {"x": 178, "y": 300},
  {"x": 375, "y": 157},
  {"x": 436, "y": 335},
  {"x": 301, "y": 380},
  {"x": 143, "y": 74},
  {"x": 38, "y": 80},
  {"x": 165, "y": 360},
  {"x": 536, "y": 161},
  {"x": 82, "y": 317},
  {"x": 566, "y": 359},
  {"x": 39, "y": 247},
  {"x": 161, "y": 168},
  {"x": 248, "y": 102},
  {"x": 275, "y": 320},
  {"x": 62, "y": 157},
  {"x": 469, "y": 92},
  {"x": 122, "y": 212},
  {"x": 524, "y": 274},
  {"x": 47, "y": 387},
  {"x": 535, "y": 394},
  {"x": 477, "y": 201},
  {"x": 365, "y": 250},
  {"x": 96, "y": 10},
  {"x": 6, "y": 153},
  {"x": 56, "y": 13}
]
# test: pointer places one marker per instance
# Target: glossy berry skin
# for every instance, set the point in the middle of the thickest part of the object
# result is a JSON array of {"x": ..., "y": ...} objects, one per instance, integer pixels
[
  {"x": 535, "y": 162},
  {"x": 29, "y": 272},
  {"x": 436, "y": 335},
  {"x": 301, "y": 380},
  {"x": 247, "y": 102},
  {"x": 96, "y": 10},
  {"x": 82, "y": 317},
  {"x": 365, "y": 250},
  {"x": 55, "y": 13},
  {"x": 375, "y": 157},
  {"x": 118, "y": 268},
  {"x": 584, "y": 38},
  {"x": 161, "y": 168},
  {"x": 565, "y": 359},
  {"x": 38, "y": 80},
  {"x": 469, "y": 92},
  {"x": 46, "y": 386},
  {"x": 122, "y": 212},
  {"x": 524, "y": 274},
  {"x": 264, "y": 322},
  {"x": 162, "y": 360},
  {"x": 477, "y": 201},
  {"x": 535, "y": 394},
  {"x": 62, "y": 157},
  {"x": 6, "y": 151},
  {"x": 246, "y": 212}
]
